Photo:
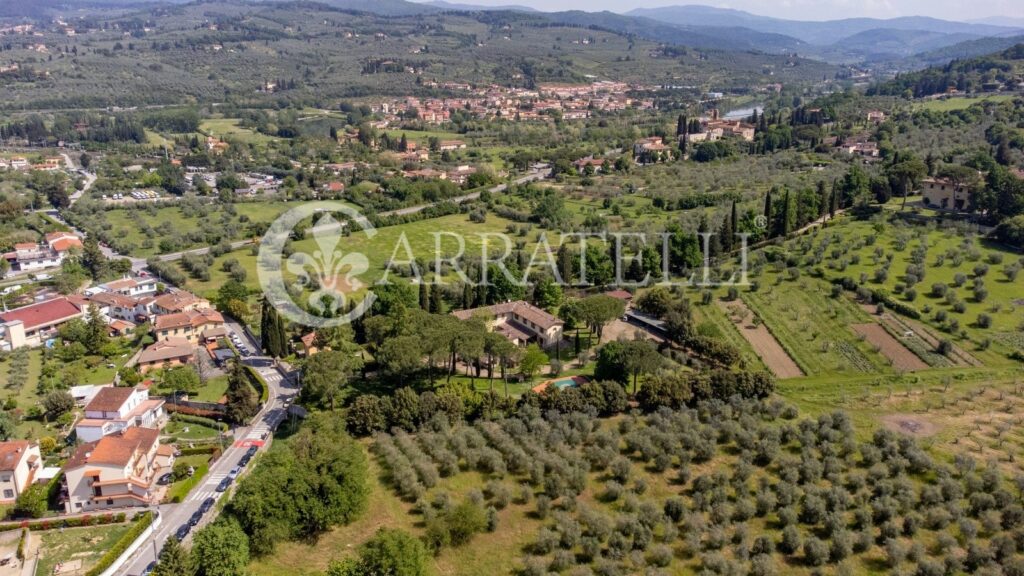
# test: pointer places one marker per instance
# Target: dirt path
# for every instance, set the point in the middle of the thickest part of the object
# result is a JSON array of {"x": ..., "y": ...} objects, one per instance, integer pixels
[
  {"x": 902, "y": 358},
  {"x": 902, "y": 324},
  {"x": 761, "y": 340}
]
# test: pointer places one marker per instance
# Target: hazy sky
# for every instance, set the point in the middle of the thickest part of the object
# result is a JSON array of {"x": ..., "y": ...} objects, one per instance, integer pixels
[{"x": 802, "y": 9}]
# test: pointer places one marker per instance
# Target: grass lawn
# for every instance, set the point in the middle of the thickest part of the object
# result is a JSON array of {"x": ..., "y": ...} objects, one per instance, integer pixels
[
  {"x": 194, "y": 431},
  {"x": 85, "y": 544},
  {"x": 213, "y": 391},
  {"x": 229, "y": 129},
  {"x": 177, "y": 491}
]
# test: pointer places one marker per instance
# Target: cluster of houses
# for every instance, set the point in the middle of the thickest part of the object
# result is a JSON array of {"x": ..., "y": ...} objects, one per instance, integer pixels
[
  {"x": 47, "y": 164},
  {"x": 120, "y": 457},
  {"x": 51, "y": 253},
  {"x": 570, "y": 101},
  {"x": 180, "y": 321},
  {"x": 713, "y": 128},
  {"x": 117, "y": 464}
]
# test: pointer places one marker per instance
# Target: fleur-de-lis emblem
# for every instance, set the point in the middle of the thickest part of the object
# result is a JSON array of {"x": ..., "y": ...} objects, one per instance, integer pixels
[{"x": 331, "y": 273}]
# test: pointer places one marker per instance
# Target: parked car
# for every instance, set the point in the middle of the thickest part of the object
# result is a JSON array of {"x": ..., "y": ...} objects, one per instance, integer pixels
[
  {"x": 234, "y": 472},
  {"x": 244, "y": 461},
  {"x": 252, "y": 451},
  {"x": 206, "y": 505},
  {"x": 183, "y": 531},
  {"x": 165, "y": 479},
  {"x": 224, "y": 485},
  {"x": 149, "y": 568},
  {"x": 195, "y": 518}
]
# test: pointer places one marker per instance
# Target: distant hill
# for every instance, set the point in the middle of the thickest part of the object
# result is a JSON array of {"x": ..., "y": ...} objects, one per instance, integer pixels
[
  {"x": 964, "y": 75},
  {"x": 962, "y": 50},
  {"x": 382, "y": 7},
  {"x": 441, "y": 4},
  {"x": 820, "y": 33},
  {"x": 723, "y": 38},
  {"x": 891, "y": 43}
]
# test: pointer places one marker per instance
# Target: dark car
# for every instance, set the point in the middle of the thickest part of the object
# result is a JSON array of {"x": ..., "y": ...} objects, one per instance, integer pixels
[
  {"x": 206, "y": 505},
  {"x": 196, "y": 517},
  {"x": 165, "y": 479},
  {"x": 183, "y": 531},
  {"x": 149, "y": 568},
  {"x": 244, "y": 460},
  {"x": 251, "y": 451},
  {"x": 224, "y": 484}
]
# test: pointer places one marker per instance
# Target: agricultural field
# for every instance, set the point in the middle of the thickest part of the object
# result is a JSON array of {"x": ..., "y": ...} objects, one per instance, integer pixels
[{"x": 721, "y": 487}]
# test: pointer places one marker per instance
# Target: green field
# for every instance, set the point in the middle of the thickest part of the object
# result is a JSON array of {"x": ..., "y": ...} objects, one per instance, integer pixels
[
  {"x": 228, "y": 129},
  {"x": 960, "y": 103}
]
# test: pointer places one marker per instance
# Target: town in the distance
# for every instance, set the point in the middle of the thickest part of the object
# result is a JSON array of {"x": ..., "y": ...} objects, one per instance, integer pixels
[{"x": 390, "y": 288}]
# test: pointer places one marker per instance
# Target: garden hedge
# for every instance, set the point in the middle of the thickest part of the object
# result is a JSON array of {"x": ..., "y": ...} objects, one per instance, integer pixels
[{"x": 121, "y": 545}]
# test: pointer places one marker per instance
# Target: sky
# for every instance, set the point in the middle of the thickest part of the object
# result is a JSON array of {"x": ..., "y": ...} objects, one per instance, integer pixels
[{"x": 961, "y": 10}]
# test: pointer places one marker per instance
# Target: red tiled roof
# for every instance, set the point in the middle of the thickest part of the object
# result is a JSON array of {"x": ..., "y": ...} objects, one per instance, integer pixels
[
  {"x": 11, "y": 453},
  {"x": 193, "y": 318},
  {"x": 519, "y": 308},
  {"x": 43, "y": 314},
  {"x": 116, "y": 449},
  {"x": 167, "y": 350},
  {"x": 109, "y": 399}
]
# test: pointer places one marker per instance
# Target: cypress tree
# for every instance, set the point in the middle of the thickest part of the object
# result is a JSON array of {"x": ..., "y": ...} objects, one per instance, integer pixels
[
  {"x": 768, "y": 213},
  {"x": 436, "y": 303},
  {"x": 424, "y": 297}
]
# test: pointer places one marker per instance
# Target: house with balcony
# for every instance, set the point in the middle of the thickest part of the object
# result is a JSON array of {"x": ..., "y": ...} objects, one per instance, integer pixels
[
  {"x": 945, "y": 194},
  {"x": 31, "y": 257},
  {"x": 20, "y": 461},
  {"x": 117, "y": 408},
  {"x": 116, "y": 471},
  {"x": 188, "y": 325}
]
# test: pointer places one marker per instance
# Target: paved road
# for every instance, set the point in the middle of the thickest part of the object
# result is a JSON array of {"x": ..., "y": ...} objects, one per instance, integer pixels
[
  {"x": 90, "y": 178},
  {"x": 282, "y": 391}
]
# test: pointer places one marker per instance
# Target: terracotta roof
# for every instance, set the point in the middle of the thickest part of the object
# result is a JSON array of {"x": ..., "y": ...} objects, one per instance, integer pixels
[
  {"x": 117, "y": 449},
  {"x": 177, "y": 301},
  {"x": 121, "y": 284},
  {"x": 12, "y": 452},
  {"x": 43, "y": 314},
  {"x": 193, "y": 318},
  {"x": 167, "y": 350},
  {"x": 518, "y": 308},
  {"x": 110, "y": 399},
  {"x": 113, "y": 299},
  {"x": 308, "y": 339}
]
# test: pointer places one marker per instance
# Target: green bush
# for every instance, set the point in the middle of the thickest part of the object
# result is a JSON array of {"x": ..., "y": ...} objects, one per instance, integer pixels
[{"x": 208, "y": 422}]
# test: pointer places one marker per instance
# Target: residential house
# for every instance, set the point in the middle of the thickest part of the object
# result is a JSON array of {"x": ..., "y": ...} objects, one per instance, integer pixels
[
  {"x": 19, "y": 462},
  {"x": 29, "y": 257},
  {"x": 32, "y": 325},
  {"x": 449, "y": 145},
  {"x": 115, "y": 408},
  {"x": 189, "y": 324},
  {"x": 169, "y": 352},
  {"x": 116, "y": 471},
  {"x": 129, "y": 286},
  {"x": 945, "y": 194},
  {"x": 178, "y": 301},
  {"x": 594, "y": 164},
  {"x": 876, "y": 116},
  {"x": 519, "y": 321}
]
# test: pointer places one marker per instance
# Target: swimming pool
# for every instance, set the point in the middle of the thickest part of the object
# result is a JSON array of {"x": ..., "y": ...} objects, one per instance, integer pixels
[{"x": 565, "y": 383}]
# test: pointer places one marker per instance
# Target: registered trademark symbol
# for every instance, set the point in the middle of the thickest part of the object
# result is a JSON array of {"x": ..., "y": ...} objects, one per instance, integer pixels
[{"x": 761, "y": 221}]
